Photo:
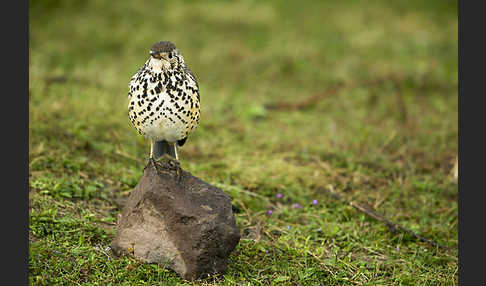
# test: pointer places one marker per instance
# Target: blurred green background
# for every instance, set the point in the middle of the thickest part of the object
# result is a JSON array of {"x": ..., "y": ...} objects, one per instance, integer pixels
[{"x": 300, "y": 98}]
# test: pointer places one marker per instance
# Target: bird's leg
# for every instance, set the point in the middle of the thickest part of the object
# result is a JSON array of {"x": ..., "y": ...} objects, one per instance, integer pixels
[
  {"x": 175, "y": 151},
  {"x": 177, "y": 160},
  {"x": 152, "y": 143},
  {"x": 151, "y": 149}
]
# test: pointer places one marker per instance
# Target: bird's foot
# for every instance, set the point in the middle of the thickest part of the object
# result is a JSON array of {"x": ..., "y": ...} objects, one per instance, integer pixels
[
  {"x": 169, "y": 161},
  {"x": 152, "y": 162},
  {"x": 166, "y": 164},
  {"x": 167, "y": 158},
  {"x": 148, "y": 161}
]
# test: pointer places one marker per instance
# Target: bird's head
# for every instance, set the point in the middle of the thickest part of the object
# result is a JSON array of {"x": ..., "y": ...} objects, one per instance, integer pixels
[{"x": 165, "y": 55}]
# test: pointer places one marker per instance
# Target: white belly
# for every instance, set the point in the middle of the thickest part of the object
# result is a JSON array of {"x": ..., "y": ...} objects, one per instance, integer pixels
[
  {"x": 158, "y": 119},
  {"x": 164, "y": 129}
]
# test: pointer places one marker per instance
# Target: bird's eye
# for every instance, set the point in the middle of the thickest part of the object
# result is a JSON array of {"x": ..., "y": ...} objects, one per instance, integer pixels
[{"x": 170, "y": 55}]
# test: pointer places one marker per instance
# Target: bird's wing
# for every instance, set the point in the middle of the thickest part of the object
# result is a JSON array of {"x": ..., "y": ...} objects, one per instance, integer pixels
[{"x": 192, "y": 79}]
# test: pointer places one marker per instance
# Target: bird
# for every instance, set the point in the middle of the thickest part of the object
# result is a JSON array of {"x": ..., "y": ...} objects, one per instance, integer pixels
[{"x": 164, "y": 101}]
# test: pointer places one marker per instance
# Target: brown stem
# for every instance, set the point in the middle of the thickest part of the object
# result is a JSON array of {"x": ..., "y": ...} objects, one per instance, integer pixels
[{"x": 393, "y": 227}]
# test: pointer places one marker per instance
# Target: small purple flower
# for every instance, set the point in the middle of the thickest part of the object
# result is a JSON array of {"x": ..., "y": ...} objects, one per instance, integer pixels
[
  {"x": 94, "y": 223},
  {"x": 314, "y": 202},
  {"x": 38, "y": 256},
  {"x": 270, "y": 212},
  {"x": 288, "y": 226},
  {"x": 108, "y": 258},
  {"x": 297, "y": 206},
  {"x": 398, "y": 248},
  {"x": 279, "y": 196},
  {"x": 266, "y": 251}
]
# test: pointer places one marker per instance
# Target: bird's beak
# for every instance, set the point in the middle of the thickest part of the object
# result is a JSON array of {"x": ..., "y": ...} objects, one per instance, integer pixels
[
  {"x": 160, "y": 56},
  {"x": 163, "y": 56}
]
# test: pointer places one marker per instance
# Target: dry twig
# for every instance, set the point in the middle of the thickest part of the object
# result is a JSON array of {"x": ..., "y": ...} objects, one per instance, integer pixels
[
  {"x": 311, "y": 101},
  {"x": 393, "y": 227}
]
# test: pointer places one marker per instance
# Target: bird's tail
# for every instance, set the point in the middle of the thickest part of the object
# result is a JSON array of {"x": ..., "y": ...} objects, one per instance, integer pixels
[{"x": 163, "y": 147}]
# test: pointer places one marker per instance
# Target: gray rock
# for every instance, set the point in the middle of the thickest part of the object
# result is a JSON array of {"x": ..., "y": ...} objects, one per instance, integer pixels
[{"x": 177, "y": 220}]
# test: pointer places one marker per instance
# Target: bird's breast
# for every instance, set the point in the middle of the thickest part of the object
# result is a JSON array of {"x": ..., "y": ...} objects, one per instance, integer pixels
[{"x": 163, "y": 106}]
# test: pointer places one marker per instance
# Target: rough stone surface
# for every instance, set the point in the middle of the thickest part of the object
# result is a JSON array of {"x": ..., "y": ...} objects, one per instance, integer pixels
[{"x": 177, "y": 220}]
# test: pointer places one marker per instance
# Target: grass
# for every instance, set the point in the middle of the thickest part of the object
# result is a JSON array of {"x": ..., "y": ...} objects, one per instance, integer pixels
[{"x": 355, "y": 98}]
